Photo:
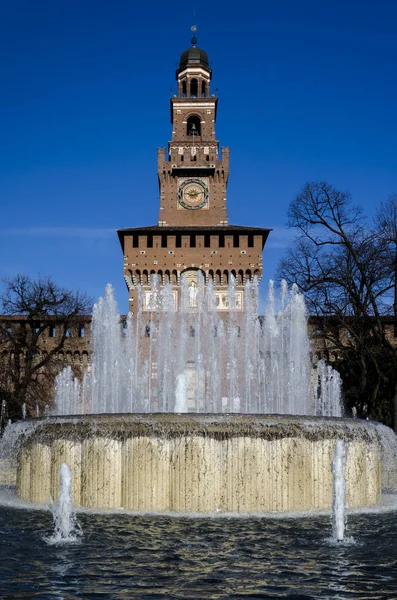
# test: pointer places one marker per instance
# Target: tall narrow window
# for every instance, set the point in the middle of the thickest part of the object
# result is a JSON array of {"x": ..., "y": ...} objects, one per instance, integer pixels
[{"x": 193, "y": 88}]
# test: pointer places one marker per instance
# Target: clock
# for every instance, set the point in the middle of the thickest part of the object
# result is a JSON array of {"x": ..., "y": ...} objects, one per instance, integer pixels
[{"x": 193, "y": 194}]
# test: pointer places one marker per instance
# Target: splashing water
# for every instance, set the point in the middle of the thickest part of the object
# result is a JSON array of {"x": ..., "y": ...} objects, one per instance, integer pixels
[
  {"x": 190, "y": 359},
  {"x": 180, "y": 394},
  {"x": 330, "y": 384},
  {"x": 338, "y": 500},
  {"x": 66, "y": 528}
]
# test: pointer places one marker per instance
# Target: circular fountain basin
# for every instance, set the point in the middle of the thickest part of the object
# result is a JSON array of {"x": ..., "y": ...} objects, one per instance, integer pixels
[{"x": 200, "y": 462}]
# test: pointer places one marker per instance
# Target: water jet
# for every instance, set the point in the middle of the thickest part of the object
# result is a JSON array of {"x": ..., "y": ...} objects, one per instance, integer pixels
[
  {"x": 66, "y": 528},
  {"x": 338, "y": 500}
]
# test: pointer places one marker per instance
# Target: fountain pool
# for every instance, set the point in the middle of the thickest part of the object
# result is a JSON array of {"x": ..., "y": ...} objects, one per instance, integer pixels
[
  {"x": 218, "y": 452},
  {"x": 233, "y": 469},
  {"x": 146, "y": 557},
  {"x": 200, "y": 463}
]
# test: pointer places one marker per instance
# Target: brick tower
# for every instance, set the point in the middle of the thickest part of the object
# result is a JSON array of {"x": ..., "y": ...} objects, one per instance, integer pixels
[{"x": 193, "y": 233}]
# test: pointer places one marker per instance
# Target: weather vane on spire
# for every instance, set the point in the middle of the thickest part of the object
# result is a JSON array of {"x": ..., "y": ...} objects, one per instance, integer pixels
[{"x": 194, "y": 29}]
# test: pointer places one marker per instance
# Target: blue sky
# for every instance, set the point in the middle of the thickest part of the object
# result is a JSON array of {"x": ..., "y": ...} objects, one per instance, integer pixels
[{"x": 307, "y": 91}]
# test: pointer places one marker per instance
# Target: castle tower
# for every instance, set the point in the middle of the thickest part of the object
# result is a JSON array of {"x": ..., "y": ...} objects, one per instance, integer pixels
[
  {"x": 192, "y": 171},
  {"x": 192, "y": 233}
]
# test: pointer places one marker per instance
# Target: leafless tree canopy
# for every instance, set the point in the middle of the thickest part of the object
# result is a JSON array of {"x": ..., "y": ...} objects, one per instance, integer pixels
[
  {"x": 29, "y": 308},
  {"x": 347, "y": 270}
]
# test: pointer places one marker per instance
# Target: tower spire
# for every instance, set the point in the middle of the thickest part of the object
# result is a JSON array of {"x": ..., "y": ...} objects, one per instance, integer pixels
[{"x": 194, "y": 29}]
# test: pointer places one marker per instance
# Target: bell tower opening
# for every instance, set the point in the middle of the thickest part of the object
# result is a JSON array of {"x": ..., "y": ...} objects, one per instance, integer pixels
[{"x": 193, "y": 126}]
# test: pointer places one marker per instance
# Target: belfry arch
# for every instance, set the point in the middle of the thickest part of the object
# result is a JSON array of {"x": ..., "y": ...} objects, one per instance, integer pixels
[{"x": 193, "y": 126}]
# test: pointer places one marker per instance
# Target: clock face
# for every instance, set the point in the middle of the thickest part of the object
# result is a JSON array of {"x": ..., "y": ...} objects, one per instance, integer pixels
[{"x": 193, "y": 194}]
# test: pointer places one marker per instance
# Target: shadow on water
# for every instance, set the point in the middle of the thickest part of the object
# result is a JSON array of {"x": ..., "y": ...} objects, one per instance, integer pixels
[{"x": 124, "y": 556}]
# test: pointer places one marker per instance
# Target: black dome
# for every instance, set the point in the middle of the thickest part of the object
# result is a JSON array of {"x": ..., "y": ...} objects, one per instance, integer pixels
[{"x": 193, "y": 56}]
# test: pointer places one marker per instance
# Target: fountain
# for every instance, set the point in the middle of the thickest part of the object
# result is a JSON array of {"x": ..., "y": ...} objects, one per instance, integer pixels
[
  {"x": 244, "y": 365},
  {"x": 182, "y": 411},
  {"x": 66, "y": 529},
  {"x": 338, "y": 502}
]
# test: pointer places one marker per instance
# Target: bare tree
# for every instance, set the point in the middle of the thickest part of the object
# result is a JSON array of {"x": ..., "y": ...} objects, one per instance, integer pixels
[
  {"x": 31, "y": 309},
  {"x": 386, "y": 235},
  {"x": 386, "y": 232},
  {"x": 345, "y": 268}
]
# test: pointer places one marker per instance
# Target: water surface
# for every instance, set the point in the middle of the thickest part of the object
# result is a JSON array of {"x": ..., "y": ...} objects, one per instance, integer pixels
[{"x": 150, "y": 557}]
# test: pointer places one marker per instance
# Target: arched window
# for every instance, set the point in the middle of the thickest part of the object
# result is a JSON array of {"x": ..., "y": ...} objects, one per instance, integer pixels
[
  {"x": 193, "y": 88},
  {"x": 193, "y": 126},
  {"x": 203, "y": 89},
  {"x": 184, "y": 89}
]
